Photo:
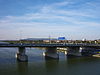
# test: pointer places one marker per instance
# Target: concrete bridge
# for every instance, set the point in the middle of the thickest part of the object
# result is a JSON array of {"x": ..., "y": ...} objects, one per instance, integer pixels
[{"x": 51, "y": 49}]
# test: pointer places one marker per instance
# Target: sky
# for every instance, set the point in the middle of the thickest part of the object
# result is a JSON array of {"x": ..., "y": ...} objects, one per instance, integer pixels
[{"x": 73, "y": 19}]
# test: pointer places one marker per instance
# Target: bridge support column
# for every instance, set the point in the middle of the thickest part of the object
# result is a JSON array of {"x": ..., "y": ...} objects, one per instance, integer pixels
[
  {"x": 74, "y": 51},
  {"x": 89, "y": 51},
  {"x": 21, "y": 56},
  {"x": 51, "y": 52}
]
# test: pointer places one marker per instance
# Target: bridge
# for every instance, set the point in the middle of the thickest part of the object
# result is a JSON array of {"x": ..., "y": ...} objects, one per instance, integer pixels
[
  {"x": 50, "y": 45},
  {"x": 51, "y": 49}
]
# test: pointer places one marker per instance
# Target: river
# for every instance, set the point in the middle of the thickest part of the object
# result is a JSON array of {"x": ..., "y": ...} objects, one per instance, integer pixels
[{"x": 38, "y": 65}]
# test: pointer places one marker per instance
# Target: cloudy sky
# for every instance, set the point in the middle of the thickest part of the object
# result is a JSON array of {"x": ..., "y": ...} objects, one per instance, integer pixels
[{"x": 74, "y": 19}]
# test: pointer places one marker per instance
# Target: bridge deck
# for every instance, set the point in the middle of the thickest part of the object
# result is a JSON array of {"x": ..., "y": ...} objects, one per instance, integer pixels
[{"x": 49, "y": 45}]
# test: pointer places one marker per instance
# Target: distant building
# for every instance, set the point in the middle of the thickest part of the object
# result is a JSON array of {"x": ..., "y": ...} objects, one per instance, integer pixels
[
  {"x": 61, "y": 38},
  {"x": 83, "y": 39},
  {"x": 98, "y": 40}
]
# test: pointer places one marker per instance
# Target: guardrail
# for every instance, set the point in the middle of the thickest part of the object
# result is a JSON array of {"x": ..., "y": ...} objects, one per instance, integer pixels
[{"x": 49, "y": 45}]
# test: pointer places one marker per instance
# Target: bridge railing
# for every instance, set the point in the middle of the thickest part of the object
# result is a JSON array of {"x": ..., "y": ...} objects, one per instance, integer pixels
[{"x": 46, "y": 45}]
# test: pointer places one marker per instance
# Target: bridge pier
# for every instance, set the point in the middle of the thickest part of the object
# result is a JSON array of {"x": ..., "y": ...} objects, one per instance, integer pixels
[
  {"x": 51, "y": 52},
  {"x": 74, "y": 51},
  {"x": 88, "y": 51},
  {"x": 21, "y": 56}
]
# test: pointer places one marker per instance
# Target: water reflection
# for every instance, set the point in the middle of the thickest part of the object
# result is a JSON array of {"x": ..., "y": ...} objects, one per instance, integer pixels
[
  {"x": 82, "y": 66},
  {"x": 38, "y": 65},
  {"x": 22, "y": 68},
  {"x": 51, "y": 66}
]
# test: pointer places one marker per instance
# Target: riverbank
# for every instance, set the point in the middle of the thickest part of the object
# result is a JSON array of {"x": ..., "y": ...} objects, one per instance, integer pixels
[{"x": 96, "y": 55}]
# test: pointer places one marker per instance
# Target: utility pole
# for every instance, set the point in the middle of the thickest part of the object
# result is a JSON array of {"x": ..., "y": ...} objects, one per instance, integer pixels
[
  {"x": 49, "y": 39},
  {"x": 20, "y": 36}
]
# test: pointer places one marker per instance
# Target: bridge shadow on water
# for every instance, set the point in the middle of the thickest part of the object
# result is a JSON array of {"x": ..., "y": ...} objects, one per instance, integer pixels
[
  {"x": 22, "y": 68},
  {"x": 51, "y": 65}
]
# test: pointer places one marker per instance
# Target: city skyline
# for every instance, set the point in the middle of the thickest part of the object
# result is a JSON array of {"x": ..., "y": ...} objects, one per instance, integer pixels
[{"x": 73, "y": 19}]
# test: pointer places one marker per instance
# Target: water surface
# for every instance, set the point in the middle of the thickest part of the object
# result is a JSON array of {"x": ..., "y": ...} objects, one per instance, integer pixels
[{"x": 38, "y": 65}]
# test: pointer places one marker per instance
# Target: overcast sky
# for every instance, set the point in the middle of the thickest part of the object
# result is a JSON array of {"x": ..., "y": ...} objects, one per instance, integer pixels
[{"x": 74, "y": 19}]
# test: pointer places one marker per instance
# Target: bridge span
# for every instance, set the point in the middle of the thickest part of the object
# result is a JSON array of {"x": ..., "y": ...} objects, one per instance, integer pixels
[
  {"x": 51, "y": 49},
  {"x": 50, "y": 45}
]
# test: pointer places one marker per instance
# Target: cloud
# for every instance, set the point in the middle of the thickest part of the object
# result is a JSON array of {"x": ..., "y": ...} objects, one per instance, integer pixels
[
  {"x": 51, "y": 19},
  {"x": 59, "y": 4}
]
